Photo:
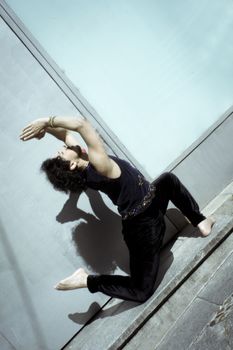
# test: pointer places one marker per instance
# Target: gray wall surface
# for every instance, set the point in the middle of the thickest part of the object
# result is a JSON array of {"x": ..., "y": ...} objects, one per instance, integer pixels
[
  {"x": 155, "y": 68},
  {"x": 208, "y": 169},
  {"x": 45, "y": 235}
]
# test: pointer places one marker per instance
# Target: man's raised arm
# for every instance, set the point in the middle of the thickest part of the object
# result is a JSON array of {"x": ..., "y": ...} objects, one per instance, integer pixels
[{"x": 96, "y": 151}]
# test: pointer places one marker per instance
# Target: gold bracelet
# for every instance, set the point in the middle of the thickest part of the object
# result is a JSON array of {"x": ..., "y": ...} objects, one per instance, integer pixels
[{"x": 51, "y": 121}]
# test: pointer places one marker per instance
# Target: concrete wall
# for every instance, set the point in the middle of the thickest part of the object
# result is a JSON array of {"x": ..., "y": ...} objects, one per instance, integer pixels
[
  {"x": 155, "y": 68},
  {"x": 45, "y": 235}
]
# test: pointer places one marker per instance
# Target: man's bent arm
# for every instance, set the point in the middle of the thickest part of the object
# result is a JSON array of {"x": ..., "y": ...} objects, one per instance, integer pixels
[
  {"x": 63, "y": 135},
  {"x": 96, "y": 151}
]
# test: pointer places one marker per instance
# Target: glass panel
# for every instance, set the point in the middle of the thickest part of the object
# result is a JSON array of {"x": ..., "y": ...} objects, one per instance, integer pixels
[{"x": 158, "y": 72}]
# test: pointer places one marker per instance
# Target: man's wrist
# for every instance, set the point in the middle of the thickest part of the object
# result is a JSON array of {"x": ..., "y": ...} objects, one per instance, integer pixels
[
  {"x": 46, "y": 122},
  {"x": 50, "y": 121}
]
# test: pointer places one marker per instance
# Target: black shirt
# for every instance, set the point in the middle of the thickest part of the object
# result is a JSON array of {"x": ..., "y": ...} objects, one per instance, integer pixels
[{"x": 131, "y": 192}]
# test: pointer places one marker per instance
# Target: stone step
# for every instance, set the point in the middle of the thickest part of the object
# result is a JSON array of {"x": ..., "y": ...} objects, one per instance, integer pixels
[
  {"x": 198, "y": 313},
  {"x": 114, "y": 325}
]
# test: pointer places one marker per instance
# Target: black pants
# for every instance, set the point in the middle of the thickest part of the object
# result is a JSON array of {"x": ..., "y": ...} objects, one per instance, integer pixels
[{"x": 143, "y": 235}]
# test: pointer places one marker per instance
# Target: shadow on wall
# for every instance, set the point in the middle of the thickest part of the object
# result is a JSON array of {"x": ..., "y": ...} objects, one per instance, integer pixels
[
  {"x": 100, "y": 243},
  {"x": 99, "y": 240}
]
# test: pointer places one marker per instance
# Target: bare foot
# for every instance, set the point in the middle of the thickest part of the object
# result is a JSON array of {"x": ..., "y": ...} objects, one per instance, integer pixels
[
  {"x": 205, "y": 226},
  {"x": 75, "y": 281}
]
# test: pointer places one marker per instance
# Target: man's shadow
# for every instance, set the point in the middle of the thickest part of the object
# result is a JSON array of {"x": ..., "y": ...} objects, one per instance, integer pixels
[
  {"x": 97, "y": 238},
  {"x": 100, "y": 243}
]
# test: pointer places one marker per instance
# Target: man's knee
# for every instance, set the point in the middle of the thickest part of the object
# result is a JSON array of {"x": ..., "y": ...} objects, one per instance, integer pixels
[
  {"x": 143, "y": 294},
  {"x": 163, "y": 180},
  {"x": 168, "y": 177}
]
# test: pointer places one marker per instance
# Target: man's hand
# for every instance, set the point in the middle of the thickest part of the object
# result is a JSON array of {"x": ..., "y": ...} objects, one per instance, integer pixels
[
  {"x": 34, "y": 130},
  {"x": 41, "y": 134}
]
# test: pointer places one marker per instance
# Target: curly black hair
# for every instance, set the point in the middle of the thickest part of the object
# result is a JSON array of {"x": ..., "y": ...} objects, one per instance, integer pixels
[{"x": 61, "y": 177}]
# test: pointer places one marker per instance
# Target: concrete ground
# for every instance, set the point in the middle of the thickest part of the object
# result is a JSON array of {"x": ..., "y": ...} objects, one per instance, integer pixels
[{"x": 199, "y": 315}]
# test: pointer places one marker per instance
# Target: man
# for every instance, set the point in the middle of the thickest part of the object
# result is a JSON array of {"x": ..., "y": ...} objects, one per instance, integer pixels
[{"x": 141, "y": 205}]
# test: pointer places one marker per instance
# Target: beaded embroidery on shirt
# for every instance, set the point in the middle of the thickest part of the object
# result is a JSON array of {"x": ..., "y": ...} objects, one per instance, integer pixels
[
  {"x": 143, "y": 205},
  {"x": 140, "y": 180}
]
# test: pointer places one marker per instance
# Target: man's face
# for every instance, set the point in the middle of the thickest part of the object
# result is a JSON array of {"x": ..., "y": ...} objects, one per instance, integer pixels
[{"x": 67, "y": 153}]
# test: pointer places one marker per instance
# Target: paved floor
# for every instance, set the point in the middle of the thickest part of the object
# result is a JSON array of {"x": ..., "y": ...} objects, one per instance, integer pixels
[{"x": 199, "y": 315}]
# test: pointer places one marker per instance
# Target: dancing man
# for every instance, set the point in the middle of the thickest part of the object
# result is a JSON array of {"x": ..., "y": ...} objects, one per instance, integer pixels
[{"x": 142, "y": 205}]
